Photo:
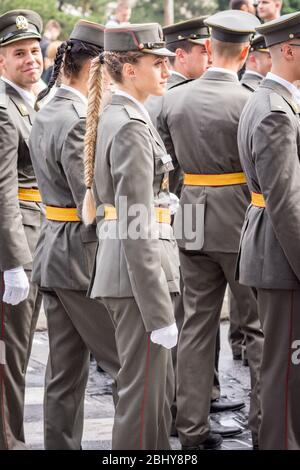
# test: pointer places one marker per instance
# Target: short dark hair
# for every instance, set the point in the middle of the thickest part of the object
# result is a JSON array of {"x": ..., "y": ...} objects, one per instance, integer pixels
[
  {"x": 237, "y": 4},
  {"x": 186, "y": 45}
]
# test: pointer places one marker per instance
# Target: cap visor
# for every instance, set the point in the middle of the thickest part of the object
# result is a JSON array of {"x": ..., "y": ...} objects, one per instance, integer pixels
[
  {"x": 22, "y": 38},
  {"x": 201, "y": 41},
  {"x": 162, "y": 52}
]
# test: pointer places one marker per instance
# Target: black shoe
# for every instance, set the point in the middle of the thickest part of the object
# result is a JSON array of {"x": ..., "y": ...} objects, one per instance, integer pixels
[
  {"x": 226, "y": 431},
  {"x": 213, "y": 441},
  {"x": 237, "y": 356},
  {"x": 220, "y": 404},
  {"x": 174, "y": 432}
]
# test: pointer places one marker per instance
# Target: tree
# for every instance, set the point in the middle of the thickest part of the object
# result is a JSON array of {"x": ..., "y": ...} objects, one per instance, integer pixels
[{"x": 50, "y": 9}]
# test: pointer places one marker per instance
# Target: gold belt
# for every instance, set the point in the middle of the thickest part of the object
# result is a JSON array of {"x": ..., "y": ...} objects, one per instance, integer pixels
[
  {"x": 162, "y": 214},
  {"x": 258, "y": 200},
  {"x": 225, "y": 179},
  {"x": 28, "y": 194},
  {"x": 62, "y": 214}
]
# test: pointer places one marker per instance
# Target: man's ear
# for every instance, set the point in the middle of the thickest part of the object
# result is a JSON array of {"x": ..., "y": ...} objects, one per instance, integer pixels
[
  {"x": 245, "y": 52},
  {"x": 180, "y": 54},
  {"x": 208, "y": 48}
]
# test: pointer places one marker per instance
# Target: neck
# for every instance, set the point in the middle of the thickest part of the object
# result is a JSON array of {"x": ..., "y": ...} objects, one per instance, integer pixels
[
  {"x": 226, "y": 64},
  {"x": 250, "y": 68},
  {"x": 284, "y": 73},
  {"x": 180, "y": 69},
  {"x": 79, "y": 85},
  {"x": 28, "y": 88},
  {"x": 139, "y": 96}
]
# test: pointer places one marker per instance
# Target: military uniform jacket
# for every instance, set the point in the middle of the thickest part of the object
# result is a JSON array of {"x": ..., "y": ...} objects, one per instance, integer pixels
[
  {"x": 251, "y": 80},
  {"x": 65, "y": 253},
  {"x": 198, "y": 123},
  {"x": 20, "y": 221},
  {"x": 269, "y": 144},
  {"x": 132, "y": 165},
  {"x": 154, "y": 107}
]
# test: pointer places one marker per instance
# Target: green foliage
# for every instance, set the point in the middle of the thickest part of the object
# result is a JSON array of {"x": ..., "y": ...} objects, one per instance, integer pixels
[
  {"x": 49, "y": 9},
  {"x": 143, "y": 11}
]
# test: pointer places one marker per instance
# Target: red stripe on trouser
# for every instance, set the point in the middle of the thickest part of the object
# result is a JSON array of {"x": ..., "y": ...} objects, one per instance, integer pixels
[
  {"x": 286, "y": 436},
  {"x": 145, "y": 394},
  {"x": 2, "y": 376}
]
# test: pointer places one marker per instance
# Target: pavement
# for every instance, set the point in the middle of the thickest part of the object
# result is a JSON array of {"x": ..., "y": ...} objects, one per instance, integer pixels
[{"x": 99, "y": 410}]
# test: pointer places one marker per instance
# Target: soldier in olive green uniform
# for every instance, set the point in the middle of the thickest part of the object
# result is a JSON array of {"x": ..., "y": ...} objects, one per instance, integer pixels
[
  {"x": 257, "y": 66},
  {"x": 21, "y": 64},
  {"x": 186, "y": 39},
  {"x": 269, "y": 145},
  {"x": 66, "y": 249},
  {"x": 135, "y": 270},
  {"x": 258, "y": 63},
  {"x": 216, "y": 196}
]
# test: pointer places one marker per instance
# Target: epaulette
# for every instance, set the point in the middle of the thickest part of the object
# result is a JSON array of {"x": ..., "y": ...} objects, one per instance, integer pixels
[
  {"x": 3, "y": 96},
  {"x": 133, "y": 113},
  {"x": 80, "y": 109},
  {"x": 180, "y": 83},
  {"x": 247, "y": 86},
  {"x": 280, "y": 104}
]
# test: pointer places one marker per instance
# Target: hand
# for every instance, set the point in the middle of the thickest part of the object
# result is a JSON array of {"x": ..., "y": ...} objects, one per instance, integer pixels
[
  {"x": 166, "y": 336},
  {"x": 16, "y": 286}
]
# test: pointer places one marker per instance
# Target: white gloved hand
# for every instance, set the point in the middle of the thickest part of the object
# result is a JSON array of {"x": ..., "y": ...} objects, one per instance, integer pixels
[
  {"x": 166, "y": 336},
  {"x": 174, "y": 203},
  {"x": 16, "y": 286}
]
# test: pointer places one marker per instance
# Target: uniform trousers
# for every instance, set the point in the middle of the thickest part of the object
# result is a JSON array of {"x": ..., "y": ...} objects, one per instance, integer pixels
[
  {"x": 18, "y": 323},
  {"x": 235, "y": 335},
  {"x": 280, "y": 370},
  {"x": 145, "y": 382},
  {"x": 205, "y": 276},
  {"x": 77, "y": 325}
]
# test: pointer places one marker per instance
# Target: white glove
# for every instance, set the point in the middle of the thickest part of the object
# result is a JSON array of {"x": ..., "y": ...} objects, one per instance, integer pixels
[
  {"x": 174, "y": 203},
  {"x": 16, "y": 286},
  {"x": 166, "y": 336}
]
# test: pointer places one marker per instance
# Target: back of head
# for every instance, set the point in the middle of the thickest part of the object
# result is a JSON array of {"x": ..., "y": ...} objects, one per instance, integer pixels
[{"x": 86, "y": 42}]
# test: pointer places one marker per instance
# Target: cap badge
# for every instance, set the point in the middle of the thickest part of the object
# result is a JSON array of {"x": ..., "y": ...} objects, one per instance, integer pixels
[
  {"x": 291, "y": 36},
  {"x": 21, "y": 22}
]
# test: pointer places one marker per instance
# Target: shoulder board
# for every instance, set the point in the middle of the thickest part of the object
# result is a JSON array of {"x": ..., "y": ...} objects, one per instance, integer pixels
[
  {"x": 80, "y": 109},
  {"x": 134, "y": 114},
  {"x": 180, "y": 83},
  {"x": 3, "y": 96},
  {"x": 248, "y": 86},
  {"x": 282, "y": 105}
]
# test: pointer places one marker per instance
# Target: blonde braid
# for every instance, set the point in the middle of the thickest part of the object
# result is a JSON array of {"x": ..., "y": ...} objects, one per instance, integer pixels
[{"x": 93, "y": 111}]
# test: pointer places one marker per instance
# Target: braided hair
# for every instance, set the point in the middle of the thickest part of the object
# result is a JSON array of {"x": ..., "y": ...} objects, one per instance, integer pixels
[
  {"x": 70, "y": 56},
  {"x": 114, "y": 62}
]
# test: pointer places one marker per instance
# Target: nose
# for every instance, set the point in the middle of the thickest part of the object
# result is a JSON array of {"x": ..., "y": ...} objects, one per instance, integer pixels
[
  {"x": 30, "y": 58},
  {"x": 165, "y": 72}
]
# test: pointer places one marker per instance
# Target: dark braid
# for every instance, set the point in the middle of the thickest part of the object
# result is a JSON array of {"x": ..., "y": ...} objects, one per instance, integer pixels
[
  {"x": 71, "y": 54},
  {"x": 56, "y": 69}
]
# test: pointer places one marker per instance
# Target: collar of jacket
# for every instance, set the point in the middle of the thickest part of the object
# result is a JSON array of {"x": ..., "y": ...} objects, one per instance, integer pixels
[
  {"x": 24, "y": 108},
  {"x": 282, "y": 91},
  {"x": 135, "y": 113},
  {"x": 67, "y": 94},
  {"x": 221, "y": 76}
]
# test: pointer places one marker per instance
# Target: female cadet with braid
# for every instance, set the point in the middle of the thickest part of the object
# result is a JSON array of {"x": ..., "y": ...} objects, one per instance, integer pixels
[
  {"x": 135, "y": 272},
  {"x": 66, "y": 249}
]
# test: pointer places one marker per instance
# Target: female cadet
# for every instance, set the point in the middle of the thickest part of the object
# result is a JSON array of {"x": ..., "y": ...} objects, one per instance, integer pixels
[
  {"x": 66, "y": 249},
  {"x": 136, "y": 265}
]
